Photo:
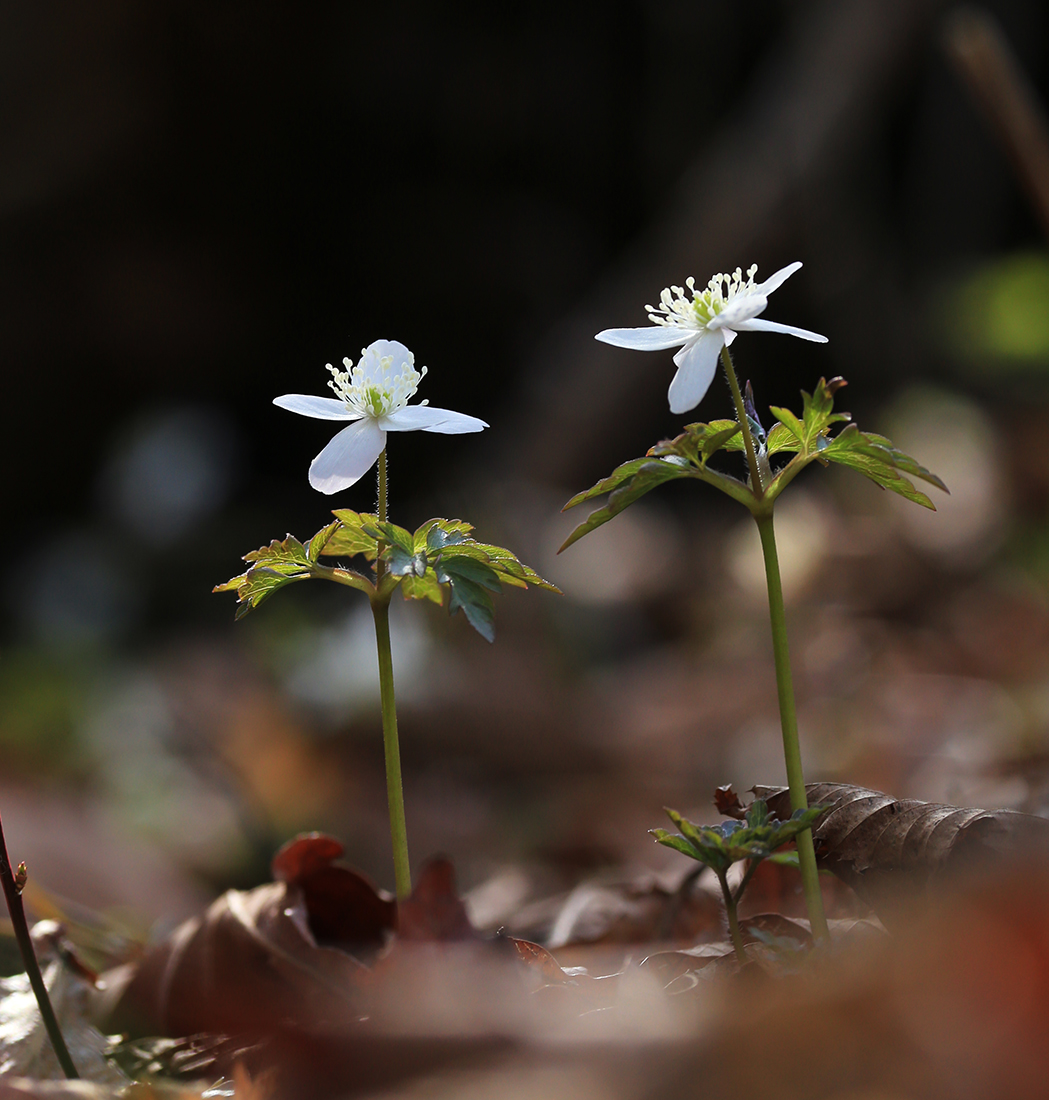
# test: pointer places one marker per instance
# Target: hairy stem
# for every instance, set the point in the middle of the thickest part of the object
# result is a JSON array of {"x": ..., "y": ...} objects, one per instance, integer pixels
[
  {"x": 391, "y": 744},
  {"x": 756, "y": 481},
  {"x": 394, "y": 790},
  {"x": 25, "y": 946},
  {"x": 789, "y": 722},
  {"x": 733, "y": 919},
  {"x": 380, "y": 508}
]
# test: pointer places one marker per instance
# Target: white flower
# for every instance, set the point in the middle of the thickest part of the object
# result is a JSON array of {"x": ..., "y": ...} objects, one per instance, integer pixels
[
  {"x": 705, "y": 322},
  {"x": 374, "y": 394}
]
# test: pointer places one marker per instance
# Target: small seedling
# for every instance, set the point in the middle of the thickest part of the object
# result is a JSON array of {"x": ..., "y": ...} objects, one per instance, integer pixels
[{"x": 754, "y": 838}]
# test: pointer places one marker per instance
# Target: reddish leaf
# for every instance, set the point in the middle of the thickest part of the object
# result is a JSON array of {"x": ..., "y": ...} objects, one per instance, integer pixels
[
  {"x": 538, "y": 960},
  {"x": 344, "y": 907},
  {"x": 304, "y": 855},
  {"x": 434, "y": 912},
  {"x": 250, "y": 964},
  {"x": 728, "y": 804}
]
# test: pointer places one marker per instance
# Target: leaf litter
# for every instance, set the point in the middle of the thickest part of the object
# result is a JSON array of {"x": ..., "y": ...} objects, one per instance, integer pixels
[{"x": 318, "y": 984}]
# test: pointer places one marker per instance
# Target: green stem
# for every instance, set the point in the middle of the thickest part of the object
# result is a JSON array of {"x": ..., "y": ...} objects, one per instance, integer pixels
[
  {"x": 789, "y": 723},
  {"x": 391, "y": 744},
  {"x": 733, "y": 919},
  {"x": 756, "y": 483},
  {"x": 752, "y": 866},
  {"x": 394, "y": 789},
  {"x": 380, "y": 565},
  {"x": 25, "y": 946}
]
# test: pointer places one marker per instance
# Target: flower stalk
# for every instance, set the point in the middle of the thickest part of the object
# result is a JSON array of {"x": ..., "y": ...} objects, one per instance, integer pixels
[
  {"x": 391, "y": 743},
  {"x": 789, "y": 724},
  {"x": 781, "y": 654},
  {"x": 13, "y": 896},
  {"x": 394, "y": 788}
]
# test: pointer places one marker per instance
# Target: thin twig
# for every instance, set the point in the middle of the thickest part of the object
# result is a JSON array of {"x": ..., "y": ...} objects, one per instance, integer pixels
[{"x": 25, "y": 946}]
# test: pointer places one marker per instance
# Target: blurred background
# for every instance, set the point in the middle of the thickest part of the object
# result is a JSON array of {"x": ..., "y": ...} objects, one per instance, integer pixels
[{"x": 202, "y": 204}]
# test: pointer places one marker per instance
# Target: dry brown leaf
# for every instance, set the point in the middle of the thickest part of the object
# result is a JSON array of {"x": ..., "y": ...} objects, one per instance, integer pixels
[
  {"x": 434, "y": 912},
  {"x": 263, "y": 959},
  {"x": 885, "y": 848}
]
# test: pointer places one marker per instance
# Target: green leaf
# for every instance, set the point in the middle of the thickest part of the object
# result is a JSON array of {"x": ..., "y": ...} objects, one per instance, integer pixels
[
  {"x": 426, "y": 587},
  {"x": 402, "y": 562},
  {"x": 475, "y": 603},
  {"x": 393, "y": 535},
  {"x": 648, "y": 474},
  {"x": 780, "y": 438},
  {"x": 449, "y": 569},
  {"x": 699, "y": 441},
  {"x": 882, "y": 464},
  {"x": 793, "y": 425},
  {"x": 904, "y": 462},
  {"x": 816, "y": 419},
  {"x": 287, "y": 552},
  {"x": 679, "y": 843},
  {"x": 607, "y": 484},
  {"x": 350, "y": 538},
  {"x": 320, "y": 540},
  {"x": 258, "y": 583},
  {"x": 436, "y": 534},
  {"x": 505, "y": 563}
]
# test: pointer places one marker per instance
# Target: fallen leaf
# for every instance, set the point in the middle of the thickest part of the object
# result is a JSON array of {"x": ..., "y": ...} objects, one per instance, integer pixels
[
  {"x": 886, "y": 848},
  {"x": 434, "y": 912},
  {"x": 728, "y": 804},
  {"x": 250, "y": 964},
  {"x": 25, "y": 1049}
]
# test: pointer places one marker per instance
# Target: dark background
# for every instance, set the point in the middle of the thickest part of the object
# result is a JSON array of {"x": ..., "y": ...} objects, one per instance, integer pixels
[{"x": 202, "y": 204}]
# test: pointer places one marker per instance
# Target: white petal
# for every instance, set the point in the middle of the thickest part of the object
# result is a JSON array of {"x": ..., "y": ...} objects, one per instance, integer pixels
[
  {"x": 774, "y": 282},
  {"x": 320, "y": 408},
  {"x": 651, "y": 338},
  {"x": 348, "y": 457},
  {"x": 696, "y": 364},
  {"x": 429, "y": 419},
  {"x": 759, "y": 324},
  {"x": 394, "y": 348},
  {"x": 730, "y": 335},
  {"x": 739, "y": 309}
]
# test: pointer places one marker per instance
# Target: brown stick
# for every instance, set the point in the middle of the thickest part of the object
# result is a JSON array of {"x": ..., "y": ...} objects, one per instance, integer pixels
[
  {"x": 25, "y": 944},
  {"x": 985, "y": 60}
]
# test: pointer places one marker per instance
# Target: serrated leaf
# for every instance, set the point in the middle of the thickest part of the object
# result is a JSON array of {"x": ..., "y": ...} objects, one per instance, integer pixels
[
  {"x": 439, "y": 533},
  {"x": 606, "y": 485},
  {"x": 699, "y": 441},
  {"x": 678, "y": 843},
  {"x": 393, "y": 535},
  {"x": 505, "y": 563},
  {"x": 757, "y": 814},
  {"x": 475, "y": 603},
  {"x": 792, "y": 424},
  {"x": 904, "y": 462},
  {"x": 288, "y": 550},
  {"x": 852, "y": 448},
  {"x": 316, "y": 544},
  {"x": 402, "y": 563},
  {"x": 450, "y": 569},
  {"x": 426, "y": 587},
  {"x": 350, "y": 538},
  {"x": 780, "y": 438},
  {"x": 649, "y": 474},
  {"x": 257, "y": 584}
]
